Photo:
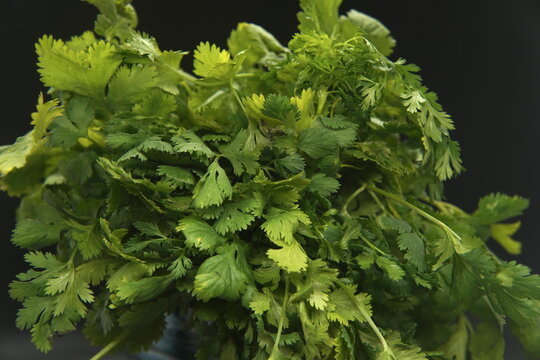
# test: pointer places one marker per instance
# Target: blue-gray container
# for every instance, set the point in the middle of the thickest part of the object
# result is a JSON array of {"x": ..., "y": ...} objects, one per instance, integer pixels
[{"x": 175, "y": 344}]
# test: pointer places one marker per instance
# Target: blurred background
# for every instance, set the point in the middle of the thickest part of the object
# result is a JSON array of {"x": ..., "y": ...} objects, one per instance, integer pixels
[{"x": 481, "y": 57}]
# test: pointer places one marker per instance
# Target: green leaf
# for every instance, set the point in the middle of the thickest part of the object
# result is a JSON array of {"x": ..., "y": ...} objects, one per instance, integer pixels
[
  {"x": 280, "y": 225},
  {"x": 319, "y": 278},
  {"x": 117, "y": 18},
  {"x": 319, "y": 15},
  {"x": 113, "y": 241},
  {"x": 448, "y": 160},
  {"x": 41, "y": 336},
  {"x": 213, "y": 188},
  {"x": 293, "y": 163},
  {"x": 515, "y": 293},
  {"x": 199, "y": 234},
  {"x": 155, "y": 104},
  {"x": 486, "y": 343},
  {"x": 497, "y": 207},
  {"x": 456, "y": 346},
  {"x": 144, "y": 289},
  {"x": 502, "y": 234},
  {"x": 128, "y": 272},
  {"x": 260, "y": 303},
  {"x": 190, "y": 143},
  {"x": 85, "y": 73},
  {"x": 393, "y": 270},
  {"x": 238, "y": 215},
  {"x": 67, "y": 130},
  {"x": 342, "y": 309},
  {"x": 16, "y": 156},
  {"x": 220, "y": 276},
  {"x": 180, "y": 266},
  {"x": 277, "y": 106},
  {"x": 290, "y": 257},
  {"x": 371, "y": 28},
  {"x": 42, "y": 260},
  {"x": 90, "y": 242},
  {"x": 399, "y": 350},
  {"x": 414, "y": 246},
  {"x": 388, "y": 157},
  {"x": 32, "y": 234},
  {"x": 399, "y": 225},
  {"x": 34, "y": 307},
  {"x": 317, "y": 142},
  {"x": 131, "y": 84},
  {"x": 242, "y": 159},
  {"x": 260, "y": 45},
  {"x": 208, "y": 60},
  {"x": 179, "y": 176},
  {"x": 323, "y": 185}
]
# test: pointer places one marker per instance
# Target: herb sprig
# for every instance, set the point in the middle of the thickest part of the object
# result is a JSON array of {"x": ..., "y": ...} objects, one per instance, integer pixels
[{"x": 288, "y": 201}]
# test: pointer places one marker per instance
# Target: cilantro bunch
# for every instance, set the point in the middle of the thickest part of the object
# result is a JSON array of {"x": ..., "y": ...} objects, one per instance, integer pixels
[{"x": 286, "y": 201}]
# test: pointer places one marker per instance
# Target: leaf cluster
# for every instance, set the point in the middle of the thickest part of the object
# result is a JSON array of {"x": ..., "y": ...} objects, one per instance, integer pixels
[{"x": 287, "y": 201}]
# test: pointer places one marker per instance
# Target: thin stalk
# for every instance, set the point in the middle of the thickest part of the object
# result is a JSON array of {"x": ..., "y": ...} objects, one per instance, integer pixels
[
  {"x": 393, "y": 209},
  {"x": 371, "y": 245},
  {"x": 245, "y": 75},
  {"x": 282, "y": 316},
  {"x": 500, "y": 319},
  {"x": 344, "y": 208},
  {"x": 449, "y": 232},
  {"x": 237, "y": 97},
  {"x": 110, "y": 346},
  {"x": 350, "y": 166},
  {"x": 368, "y": 318},
  {"x": 378, "y": 201}
]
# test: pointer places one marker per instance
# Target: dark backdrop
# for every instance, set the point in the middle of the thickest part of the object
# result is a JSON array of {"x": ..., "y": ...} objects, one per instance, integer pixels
[{"x": 480, "y": 56}]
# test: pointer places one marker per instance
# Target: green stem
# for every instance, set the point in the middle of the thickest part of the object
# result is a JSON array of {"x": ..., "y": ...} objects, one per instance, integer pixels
[
  {"x": 282, "y": 316},
  {"x": 371, "y": 245},
  {"x": 500, "y": 319},
  {"x": 245, "y": 75},
  {"x": 350, "y": 166},
  {"x": 344, "y": 208},
  {"x": 368, "y": 318},
  {"x": 110, "y": 346},
  {"x": 449, "y": 232},
  {"x": 378, "y": 201},
  {"x": 237, "y": 97},
  {"x": 393, "y": 209}
]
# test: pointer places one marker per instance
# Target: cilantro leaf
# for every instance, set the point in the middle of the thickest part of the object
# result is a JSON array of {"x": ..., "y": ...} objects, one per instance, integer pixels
[
  {"x": 209, "y": 60},
  {"x": 280, "y": 225},
  {"x": 130, "y": 85},
  {"x": 220, "y": 276},
  {"x": 371, "y": 28},
  {"x": 199, "y": 234},
  {"x": 256, "y": 194},
  {"x": 290, "y": 257},
  {"x": 502, "y": 232},
  {"x": 85, "y": 73},
  {"x": 414, "y": 246},
  {"x": 31, "y": 234},
  {"x": 213, "y": 188},
  {"x": 318, "y": 15},
  {"x": 498, "y": 207},
  {"x": 69, "y": 129}
]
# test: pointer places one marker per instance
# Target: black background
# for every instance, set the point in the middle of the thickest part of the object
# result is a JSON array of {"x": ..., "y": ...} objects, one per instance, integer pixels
[{"x": 481, "y": 57}]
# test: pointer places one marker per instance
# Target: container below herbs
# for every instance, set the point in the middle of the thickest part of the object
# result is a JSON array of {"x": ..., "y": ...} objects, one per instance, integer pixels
[
  {"x": 286, "y": 201},
  {"x": 177, "y": 342}
]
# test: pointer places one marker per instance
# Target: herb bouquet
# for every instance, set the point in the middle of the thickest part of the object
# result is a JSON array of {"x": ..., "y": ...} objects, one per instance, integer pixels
[{"x": 286, "y": 201}]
